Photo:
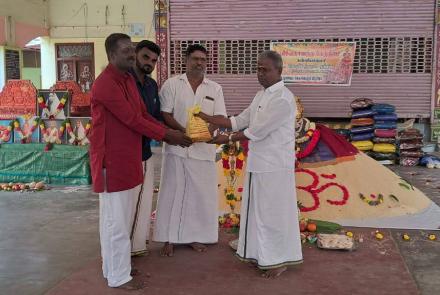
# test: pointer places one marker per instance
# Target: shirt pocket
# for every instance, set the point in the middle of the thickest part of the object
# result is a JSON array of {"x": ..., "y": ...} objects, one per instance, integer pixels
[{"x": 207, "y": 105}]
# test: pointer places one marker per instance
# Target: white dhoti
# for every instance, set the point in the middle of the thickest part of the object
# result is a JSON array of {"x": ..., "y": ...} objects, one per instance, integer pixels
[
  {"x": 187, "y": 204},
  {"x": 143, "y": 200},
  {"x": 115, "y": 218},
  {"x": 269, "y": 228}
]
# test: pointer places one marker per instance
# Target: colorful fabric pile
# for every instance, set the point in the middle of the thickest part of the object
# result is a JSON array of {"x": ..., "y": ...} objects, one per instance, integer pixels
[
  {"x": 385, "y": 124},
  {"x": 362, "y": 124},
  {"x": 410, "y": 147}
]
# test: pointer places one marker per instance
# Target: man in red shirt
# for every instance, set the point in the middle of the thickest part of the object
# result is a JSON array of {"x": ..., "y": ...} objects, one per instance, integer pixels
[{"x": 119, "y": 120}]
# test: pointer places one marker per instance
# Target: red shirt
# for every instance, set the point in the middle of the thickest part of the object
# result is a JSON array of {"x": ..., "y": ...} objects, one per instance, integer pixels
[{"x": 119, "y": 120}]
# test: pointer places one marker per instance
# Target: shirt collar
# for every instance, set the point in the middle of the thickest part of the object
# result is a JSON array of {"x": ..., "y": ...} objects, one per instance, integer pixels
[
  {"x": 185, "y": 78},
  {"x": 117, "y": 73},
  {"x": 275, "y": 86},
  {"x": 146, "y": 77}
]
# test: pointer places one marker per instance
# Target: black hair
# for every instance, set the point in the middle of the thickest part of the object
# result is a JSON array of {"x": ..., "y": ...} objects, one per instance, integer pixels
[
  {"x": 111, "y": 42},
  {"x": 195, "y": 47},
  {"x": 274, "y": 56},
  {"x": 149, "y": 45}
]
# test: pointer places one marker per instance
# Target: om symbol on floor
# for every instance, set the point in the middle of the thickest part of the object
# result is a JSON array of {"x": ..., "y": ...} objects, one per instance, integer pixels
[{"x": 314, "y": 189}]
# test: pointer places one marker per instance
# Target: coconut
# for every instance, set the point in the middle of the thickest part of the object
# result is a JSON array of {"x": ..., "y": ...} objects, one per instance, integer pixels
[{"x": 39, "y": 185}]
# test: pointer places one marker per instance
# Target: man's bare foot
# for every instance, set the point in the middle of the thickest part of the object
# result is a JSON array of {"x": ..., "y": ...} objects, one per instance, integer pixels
[
  {"x": 198, "y": 247},
  {"x": 134, "y": 284},
  {"x": 274, "y": 273},
  {"x": 140, "y": 253},
  {"x": 167, "y": 250}
]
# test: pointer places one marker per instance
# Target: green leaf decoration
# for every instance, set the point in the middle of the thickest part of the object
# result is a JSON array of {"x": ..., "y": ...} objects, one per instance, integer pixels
[
  {"x": 394, "y": 198},
  {"x": 404, "y": 185}
]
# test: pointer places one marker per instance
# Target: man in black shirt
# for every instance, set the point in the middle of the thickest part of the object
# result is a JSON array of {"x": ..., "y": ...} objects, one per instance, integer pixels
[{"x": 147, "y": 54}]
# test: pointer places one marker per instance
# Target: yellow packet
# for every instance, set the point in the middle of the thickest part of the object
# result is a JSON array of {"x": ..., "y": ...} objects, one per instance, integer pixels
[{"x": 197, "y": 128}]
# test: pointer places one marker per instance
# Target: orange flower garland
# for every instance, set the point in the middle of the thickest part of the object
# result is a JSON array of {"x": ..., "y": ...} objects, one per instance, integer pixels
[
  {"x": 48, "y": 139},
  {"x": 6, "y": 136},
  {"x": 43, "y": 106},
  {"x": 77, "y": 140}
]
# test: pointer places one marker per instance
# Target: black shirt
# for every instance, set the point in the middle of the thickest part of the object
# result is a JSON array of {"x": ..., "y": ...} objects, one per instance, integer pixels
[{"x": 149, "y": 92}]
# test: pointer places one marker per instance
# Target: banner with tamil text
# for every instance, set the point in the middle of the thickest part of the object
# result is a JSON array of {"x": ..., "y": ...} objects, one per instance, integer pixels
[{"x": 317, "y": 63}]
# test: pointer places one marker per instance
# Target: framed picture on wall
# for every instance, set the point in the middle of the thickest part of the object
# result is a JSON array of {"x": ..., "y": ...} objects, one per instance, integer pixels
[
  {"x": 79, "y": 131},
  {"x": 85, "y": 78},
  {"x": 66, "y": 70},
  {"x": 52, "y": 132},
  {"x": 54, "y": 105},
  {"x": 75, "y": 62},
  {"x": 28, "y": 129}
]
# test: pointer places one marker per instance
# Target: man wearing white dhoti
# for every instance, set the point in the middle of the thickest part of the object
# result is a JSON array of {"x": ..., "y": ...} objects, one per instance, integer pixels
[
  {"x": 269, "y": 231},
  {"x": 119, "y": 121},
  {"x": 187, "y": 210},
  {"x": 147, "y": 54}
]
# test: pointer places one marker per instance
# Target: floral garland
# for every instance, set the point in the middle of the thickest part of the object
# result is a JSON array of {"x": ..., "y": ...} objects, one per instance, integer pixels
[
  {"x": 77, "y": 140},
  {"x": 377, "y": 200},
  {"x": 316, "y": 135},
  {"x": 44, "y": 107},
  {"x": 230, "y": 221},
  {"x": 48, "y": 139},
  {"x": 232, "y": 161},
  {"x": 25, "y": 137},
  {"x": 310, "y": 127},
  {"x": 6, "y": 136}
]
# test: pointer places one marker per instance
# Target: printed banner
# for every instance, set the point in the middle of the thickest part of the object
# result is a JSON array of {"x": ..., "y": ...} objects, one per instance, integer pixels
[{"x": 317, "y": 63}]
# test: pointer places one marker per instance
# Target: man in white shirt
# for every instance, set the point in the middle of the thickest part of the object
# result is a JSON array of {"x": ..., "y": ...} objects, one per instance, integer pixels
[
  {"x": 269, "y": 229},
  {"x": 187, "y": 210}
]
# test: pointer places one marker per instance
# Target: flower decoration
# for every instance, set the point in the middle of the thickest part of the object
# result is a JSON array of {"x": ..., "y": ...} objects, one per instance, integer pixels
[{"x": 232, "y": 162}]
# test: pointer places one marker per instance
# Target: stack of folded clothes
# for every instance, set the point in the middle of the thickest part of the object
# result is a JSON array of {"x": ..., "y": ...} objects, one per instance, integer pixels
[
  {"x": 362, "y": 124},
  {"x": 385, "y": 124},
  {"x": 410, "y": 147}
]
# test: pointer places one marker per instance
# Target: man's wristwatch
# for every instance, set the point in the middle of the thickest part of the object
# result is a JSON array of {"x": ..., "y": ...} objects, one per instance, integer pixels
[{"x": 230, "y": 138}]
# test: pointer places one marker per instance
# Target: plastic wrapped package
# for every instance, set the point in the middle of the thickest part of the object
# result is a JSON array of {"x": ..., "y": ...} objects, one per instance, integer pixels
[
  {"x": 383, "y": 156},
  {"x": 411, "y": 153},
  {"x": 363, "y": 114},
  {"x": 362, "y": 129},
  {"x": 384, "y": 148},
  {"x": 362, "y": 136},
  {"x": 386, "y": 133},
  {"x": 362, "y": 122},
  {"x": 361, "y": 103},
  {"x": 363, "y": 145},
  {"x": 386, "y": 117},
  {"x": 383, "y": 108},
  {"x": 407, "y": 161},
  {"x": 384, "y": 140},
  {"x": 410, "y": 146}
]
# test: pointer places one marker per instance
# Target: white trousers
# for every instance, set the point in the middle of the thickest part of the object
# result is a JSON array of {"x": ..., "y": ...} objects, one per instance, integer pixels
[
  {"x": 143, "y": 200},
  {"x": 187, "y": 206},
  {"x": 115, "y": 219},
  {"x": 269, "y": 228}
]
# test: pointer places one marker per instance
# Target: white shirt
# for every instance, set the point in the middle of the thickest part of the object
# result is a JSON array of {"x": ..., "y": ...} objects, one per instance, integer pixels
[
  {"x": 177, "y": 96},
  {"x": 269, "y": 123}
]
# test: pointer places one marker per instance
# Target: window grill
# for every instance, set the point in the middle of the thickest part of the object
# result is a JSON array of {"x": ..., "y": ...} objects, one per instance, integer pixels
[{"x": 373, "y": 55}]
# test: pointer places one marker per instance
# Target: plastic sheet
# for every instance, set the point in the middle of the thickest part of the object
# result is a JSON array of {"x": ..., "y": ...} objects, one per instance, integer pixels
[{"x": 64, "y": 164}]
